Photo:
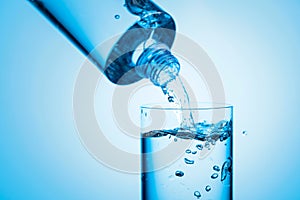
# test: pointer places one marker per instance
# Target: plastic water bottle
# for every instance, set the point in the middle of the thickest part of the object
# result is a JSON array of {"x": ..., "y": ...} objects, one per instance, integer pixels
[{"x": 141, "y": 51}]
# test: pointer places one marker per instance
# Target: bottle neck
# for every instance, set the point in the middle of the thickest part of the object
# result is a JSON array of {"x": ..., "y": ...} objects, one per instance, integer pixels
[{"x": 158, "y": 64}]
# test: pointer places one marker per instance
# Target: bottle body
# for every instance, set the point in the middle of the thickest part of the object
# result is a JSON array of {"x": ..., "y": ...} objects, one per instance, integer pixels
[{"x": 90, "y": 24}]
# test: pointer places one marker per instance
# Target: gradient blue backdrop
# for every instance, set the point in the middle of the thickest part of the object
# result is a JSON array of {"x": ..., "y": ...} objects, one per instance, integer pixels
[{"x": 255, "y": 46}]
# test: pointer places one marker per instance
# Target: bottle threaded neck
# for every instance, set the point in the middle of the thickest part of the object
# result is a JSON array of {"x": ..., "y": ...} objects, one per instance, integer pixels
[{"x": 158, "y": 64}]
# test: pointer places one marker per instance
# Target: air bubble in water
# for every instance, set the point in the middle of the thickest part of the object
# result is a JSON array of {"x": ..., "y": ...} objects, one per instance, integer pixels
[
  {"x": 179, "y": 173},
  {"x": 188, "y": 151},
  {"x": 199, "y": 146},
  {"x": 214, "y": 176},
  {"x": 207, "y": 188},
  {"x": 207, "y": 145},
  {"x": 189, "y": 162},
  {"x": 171, "y": 177},
  {"x": 226, "y": 169},
  {"x": 117, "y": 16},
  {"x": 197, "y": 194},
  {"x": 175, "y": 139},
  {"x": 194, "y": 152},
  {"x": 213, "y": 142},
  {"x": 216, "y": 168}
]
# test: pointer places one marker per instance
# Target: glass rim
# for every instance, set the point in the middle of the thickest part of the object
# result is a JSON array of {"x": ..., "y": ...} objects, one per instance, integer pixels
[{"x": 199, "y": 106}]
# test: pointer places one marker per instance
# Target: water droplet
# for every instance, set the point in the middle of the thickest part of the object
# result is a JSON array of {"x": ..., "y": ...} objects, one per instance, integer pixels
[
  {"x": 194, "y": 152},
  {"x": 171, "y": 99},
  {"x": 188, "y": 151},
  {"x": 175, "y": 139},
  {"x": 216, "y": 168},
  {"x": 197, "y": 194},
  {"x": 189, "y": 162},
  {"x": 245, "y": 133},
  {"x": 179, "y": 173},
  {"x": 214, "y": 176},
  {"x": 207, "y": 188},
  {"x": 199, "y": 146},
  {"x": 165, "y": 90},
  {"x": 117, "y": 16}
]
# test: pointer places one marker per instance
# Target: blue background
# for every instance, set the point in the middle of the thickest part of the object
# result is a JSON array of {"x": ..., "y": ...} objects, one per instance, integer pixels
[{"x": 255, "y": 46}]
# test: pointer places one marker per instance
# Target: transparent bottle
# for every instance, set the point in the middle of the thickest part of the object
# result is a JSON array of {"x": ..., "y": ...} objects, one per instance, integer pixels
[{"x": 142, "y": 50}]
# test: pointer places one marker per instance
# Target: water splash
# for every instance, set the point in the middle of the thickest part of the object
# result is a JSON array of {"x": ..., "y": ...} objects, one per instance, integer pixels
[
  {"x": 178, "y": 97},
  {"x": 203, "y": 132}
]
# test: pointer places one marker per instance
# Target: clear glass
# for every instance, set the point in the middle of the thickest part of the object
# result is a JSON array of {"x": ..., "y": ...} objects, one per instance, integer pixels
[{"x": 186, "y": 163}]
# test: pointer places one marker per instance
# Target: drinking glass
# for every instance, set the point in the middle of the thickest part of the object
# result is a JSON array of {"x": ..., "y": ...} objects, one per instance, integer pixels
[{"x": 180, "y": 162}]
